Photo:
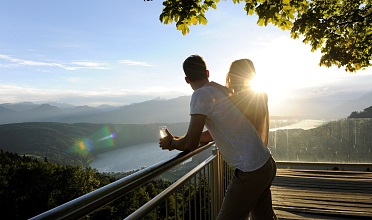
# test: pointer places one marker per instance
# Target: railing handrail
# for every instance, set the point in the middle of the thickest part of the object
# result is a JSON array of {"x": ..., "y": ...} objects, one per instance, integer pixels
[{"x": 87, "y": 203}]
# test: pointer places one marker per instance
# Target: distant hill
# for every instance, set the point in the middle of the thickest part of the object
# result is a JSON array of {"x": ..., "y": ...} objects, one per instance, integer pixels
[
  {"x": 366, "y": 113},
  {"x": 332, "y": 106},
  {"x": 106, "y": 108},
  {"x": 153, "y": 111},
  {"x": 22, "y": 106},
  {"x": 77, "y": 143},
  {"x": 83, "y": 110},
  {"x": 29, "y": 112},
  {"x": 354, "y": 105},
  {"x": 339, "y": 141},
  {"x": 5, "y": 110}
]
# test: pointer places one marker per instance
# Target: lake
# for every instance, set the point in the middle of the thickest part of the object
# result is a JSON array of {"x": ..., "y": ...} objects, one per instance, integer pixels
[
  {"x": 303, "y": 124},
  {"x": 131, "y": 158},
  {"x": 143, "y": 155}
]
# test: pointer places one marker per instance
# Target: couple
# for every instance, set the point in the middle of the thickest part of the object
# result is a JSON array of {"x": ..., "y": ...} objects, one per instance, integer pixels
[{"x": 237, "y": 120}]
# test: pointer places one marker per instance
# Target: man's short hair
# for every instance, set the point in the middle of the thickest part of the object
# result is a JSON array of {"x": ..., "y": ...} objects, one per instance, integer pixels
[{"x": 195, "y": 68}]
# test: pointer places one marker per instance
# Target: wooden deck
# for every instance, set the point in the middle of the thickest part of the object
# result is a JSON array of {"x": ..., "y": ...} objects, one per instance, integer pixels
[{"x": 322, "y": 194}]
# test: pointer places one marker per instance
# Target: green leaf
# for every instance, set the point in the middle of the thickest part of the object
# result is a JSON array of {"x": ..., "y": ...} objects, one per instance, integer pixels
[
  {"x": 261, "y": 22},
  {"x": 194, "y": 20},
  {"x": 184, "y": 28},
  {"x": 202, "y": 19},
  {"x": 251, "y": 11}
]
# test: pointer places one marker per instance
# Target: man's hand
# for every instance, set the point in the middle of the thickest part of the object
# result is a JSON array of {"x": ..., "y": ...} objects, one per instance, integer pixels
[
  {"x": 191, "y": 140},
  {"x": 165, "y": 142}
]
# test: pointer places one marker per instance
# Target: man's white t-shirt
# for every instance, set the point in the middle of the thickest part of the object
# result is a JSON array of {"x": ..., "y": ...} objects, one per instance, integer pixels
[{"x": 234, "y": 135}]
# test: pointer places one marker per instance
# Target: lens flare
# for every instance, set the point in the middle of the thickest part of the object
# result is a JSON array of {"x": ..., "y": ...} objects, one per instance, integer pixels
[
  {"x": 82, "y": 147},
  {"x": 103, "y": 138}
]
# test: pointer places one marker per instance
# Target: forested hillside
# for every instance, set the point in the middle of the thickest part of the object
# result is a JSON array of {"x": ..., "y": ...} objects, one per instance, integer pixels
[
  {"x": 347, "y": 140},
  {"x": 29, "y": 187},
  {"x": 341, "y": 141},
  {"x": 76, "y": 144},
  {"x": 366, "y": 113}
]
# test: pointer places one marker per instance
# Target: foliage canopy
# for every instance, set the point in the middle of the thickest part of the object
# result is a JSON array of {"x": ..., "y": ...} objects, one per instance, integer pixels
[
  {"x": 341, "y": 30},
  {"x": 29, "y": 186}
]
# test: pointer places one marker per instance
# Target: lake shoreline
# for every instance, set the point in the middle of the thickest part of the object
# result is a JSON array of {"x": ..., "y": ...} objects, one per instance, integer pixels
[{"x": 130, "y": 158}]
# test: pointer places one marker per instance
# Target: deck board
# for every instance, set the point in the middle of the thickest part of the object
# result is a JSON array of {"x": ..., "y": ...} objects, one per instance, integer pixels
[{"x": 322, "y": 194}]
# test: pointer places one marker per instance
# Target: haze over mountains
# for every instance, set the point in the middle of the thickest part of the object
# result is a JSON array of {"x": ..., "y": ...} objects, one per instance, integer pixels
[
  {"x": 153, "y": 111},
  {"x": 327, "y": 106},
  {"x": 172, "y": 110}
]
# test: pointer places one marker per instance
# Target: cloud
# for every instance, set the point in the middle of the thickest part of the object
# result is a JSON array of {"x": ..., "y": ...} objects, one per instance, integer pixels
[
  {"x": 89, "y": 64},
  {"x": 76, "y": 65},
  {"x": 73, "y": 79},
  {"x": 22, "y": 62},
  {"x": 133, "y": 63}
]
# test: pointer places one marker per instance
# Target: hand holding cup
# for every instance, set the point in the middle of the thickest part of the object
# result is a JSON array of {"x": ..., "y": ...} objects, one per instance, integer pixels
[{"x": 165, "y": 138}]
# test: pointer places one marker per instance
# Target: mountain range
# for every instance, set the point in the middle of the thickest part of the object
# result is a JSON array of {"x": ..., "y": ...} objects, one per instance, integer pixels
[
  {"x": 152, "y": 111},
  {"x": 172, "y": 110},
  {"x": 326, "y": 106}
]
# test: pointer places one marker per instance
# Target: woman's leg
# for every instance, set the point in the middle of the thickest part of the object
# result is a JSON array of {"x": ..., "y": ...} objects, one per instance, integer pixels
[
  {"x": 244, "y": 191},
  {"x": 263, "y": 208}
]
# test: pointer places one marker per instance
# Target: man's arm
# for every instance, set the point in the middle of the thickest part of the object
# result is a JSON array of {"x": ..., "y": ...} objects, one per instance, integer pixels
[
  {"x": 191, "y": 140},
  {"x": 206, "y": 137}
]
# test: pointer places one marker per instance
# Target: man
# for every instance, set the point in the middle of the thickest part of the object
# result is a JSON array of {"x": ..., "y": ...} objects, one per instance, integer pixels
[{"x": 238, "y": 141}]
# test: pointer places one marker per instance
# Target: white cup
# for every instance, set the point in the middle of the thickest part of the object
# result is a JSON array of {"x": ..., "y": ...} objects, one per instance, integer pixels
[{"x": 163, "y": 133}]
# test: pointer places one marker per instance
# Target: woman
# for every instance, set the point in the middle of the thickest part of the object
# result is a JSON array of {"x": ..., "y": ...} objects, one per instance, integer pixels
[{"x": 254, "y": 106}]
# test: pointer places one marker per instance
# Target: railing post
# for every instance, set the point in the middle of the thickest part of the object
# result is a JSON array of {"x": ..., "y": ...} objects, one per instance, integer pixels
[{"x": 217, "y": 183}]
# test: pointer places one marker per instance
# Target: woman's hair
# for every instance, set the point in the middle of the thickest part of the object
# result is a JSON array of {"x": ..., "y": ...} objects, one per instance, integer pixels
[
  {"x": 239, "y": 75},
  {"x": 252, "y": 104},
  {"x": 195, "y": 68}
]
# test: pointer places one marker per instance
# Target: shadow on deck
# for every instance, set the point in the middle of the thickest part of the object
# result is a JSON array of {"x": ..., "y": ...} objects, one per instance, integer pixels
[{"x": 322, "y": 194}]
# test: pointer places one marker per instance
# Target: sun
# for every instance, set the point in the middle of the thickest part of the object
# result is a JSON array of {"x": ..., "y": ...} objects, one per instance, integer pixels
[
  {"x": 276, "y": 89},
  {"x": 258, "y": 84}
]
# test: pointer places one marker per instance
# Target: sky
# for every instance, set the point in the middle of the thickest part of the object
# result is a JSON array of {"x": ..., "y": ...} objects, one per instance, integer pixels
[{"x": 116, "y": 52}]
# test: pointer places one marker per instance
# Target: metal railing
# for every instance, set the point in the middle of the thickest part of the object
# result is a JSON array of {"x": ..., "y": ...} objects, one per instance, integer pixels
[{"x": 196, "y": 195}]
